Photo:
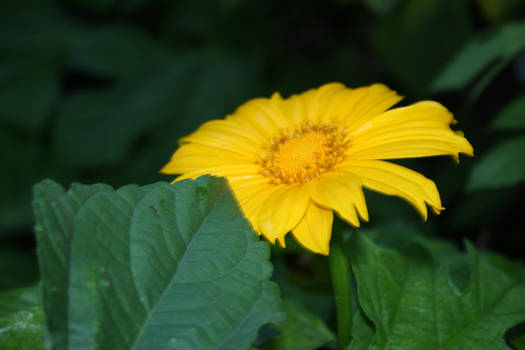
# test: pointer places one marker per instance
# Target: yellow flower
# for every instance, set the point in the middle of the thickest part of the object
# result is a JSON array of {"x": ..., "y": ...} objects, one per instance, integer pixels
[{"x": 292, "y": 162}]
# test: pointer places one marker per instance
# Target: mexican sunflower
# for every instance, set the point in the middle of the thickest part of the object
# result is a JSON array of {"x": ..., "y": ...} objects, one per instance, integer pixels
[{"x": 292, "y": 162}]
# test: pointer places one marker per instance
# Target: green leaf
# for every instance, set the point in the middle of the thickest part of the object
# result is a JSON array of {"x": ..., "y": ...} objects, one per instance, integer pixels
[
  {"x": 21, "y": 322},
  {"x": 480, "y": 52},
  {"x": 55, "y": 211},
  {"x": 512, "y": 117},
  {"x": 300, "y": 330},
  {"x": 18, "y": 299},
  {"x": 415, "y": 305},
  {"x": 22, "y": 330},
  {"x": 503, "y": 165},
  {"x": 362, "y": 332},
  {"x": 151, "y": 267}
]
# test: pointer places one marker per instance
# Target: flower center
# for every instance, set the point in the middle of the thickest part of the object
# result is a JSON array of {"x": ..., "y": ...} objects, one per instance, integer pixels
[{"x": 300, "y": 156}]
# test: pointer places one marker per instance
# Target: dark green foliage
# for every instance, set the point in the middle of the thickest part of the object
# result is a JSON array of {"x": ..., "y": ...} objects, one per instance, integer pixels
[
  {"x": 101, "y": 91},
  {"x": 504, "y": 165},
  {"x": 299, "y": 330}
]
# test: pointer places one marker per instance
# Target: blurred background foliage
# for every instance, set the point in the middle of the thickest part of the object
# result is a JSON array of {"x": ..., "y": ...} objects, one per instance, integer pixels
[{"x": 101, "y": 90}]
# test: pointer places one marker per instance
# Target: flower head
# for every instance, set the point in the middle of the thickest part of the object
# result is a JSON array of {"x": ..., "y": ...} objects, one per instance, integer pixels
[{"x": 292, "y": 162}]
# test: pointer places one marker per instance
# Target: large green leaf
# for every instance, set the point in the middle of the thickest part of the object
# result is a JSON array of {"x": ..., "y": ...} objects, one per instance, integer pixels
[
  {"x": 512, "y": 117},
  {"x": 55, "y": 211},
  {"x": 153, "y": 267},
  {"x": 300, "y": 330},
  {"x": 503, "y": 165},
  {"x": 480, "y": 52},
  {"x": 413, "y": 304}
]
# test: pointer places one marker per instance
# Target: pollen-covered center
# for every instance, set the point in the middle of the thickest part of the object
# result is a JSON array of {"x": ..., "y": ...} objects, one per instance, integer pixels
[{"x": 304, "y": 154}]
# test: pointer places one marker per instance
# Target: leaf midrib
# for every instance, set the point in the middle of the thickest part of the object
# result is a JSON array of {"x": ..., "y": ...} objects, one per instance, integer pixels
[{"x": 153, "y": 309}]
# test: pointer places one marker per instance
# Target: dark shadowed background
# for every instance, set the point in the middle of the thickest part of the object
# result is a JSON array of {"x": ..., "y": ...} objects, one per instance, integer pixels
[{"x": 101, "y": 90}]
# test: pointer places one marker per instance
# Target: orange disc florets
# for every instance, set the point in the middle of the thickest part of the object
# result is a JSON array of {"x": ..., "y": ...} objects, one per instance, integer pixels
[{"x": 304, "y": 154}]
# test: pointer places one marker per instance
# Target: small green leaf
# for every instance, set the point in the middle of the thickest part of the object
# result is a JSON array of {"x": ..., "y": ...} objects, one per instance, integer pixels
[
  {"x": 153, "y": 267},
  {"x": 415, "y": 305},
  {"x": 512, "y": 117},
  {"x": 18, "y": 299},
  {"x": 503, "y": 165},
  {"x": 21, "y": 323},
  {"x": 300, "y": 330},
  {"x": 22, "y": 330},
  {"x": 483, "y": 50}
]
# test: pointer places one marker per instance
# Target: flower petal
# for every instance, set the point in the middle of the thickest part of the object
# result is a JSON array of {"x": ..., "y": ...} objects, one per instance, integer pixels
[
  {"x": 282, "y": 211},
  {"x": 192, "y": 157},
  {"x": 419, "y": 130},
  {"x": 315, "y": 229},
  {"x": 292, "y": 108},
  {"x": 309, "y": 106},
  {"x": 262, "y": 117},
  {"x": 226, "y": 135},
  {"x": 317, "y": 101},
  {"x": 342, "y": 192},
  {"x": 229, "y": 171},
  {"x": 395, "y": 180},
  {"x": 366, "y": 103},
  {"x": 250, "y": 193}
]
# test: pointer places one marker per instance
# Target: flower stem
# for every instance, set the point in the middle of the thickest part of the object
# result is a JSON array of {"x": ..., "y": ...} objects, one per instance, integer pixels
[{"x": 341, "y": 279}]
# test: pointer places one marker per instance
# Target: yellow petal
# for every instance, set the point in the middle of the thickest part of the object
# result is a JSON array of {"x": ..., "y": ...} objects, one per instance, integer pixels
[
  {"x": 309, "y": 106},
  {"x": 293, "y": 108},
  {"x": 229, "y": 171},
  {"x": 342, "y": 192},
  {"x": 262, "y": 117},
  {"x": 251, "y": 193},
  {"x": 191, "y": 157},
  {"x": 314, "y": 230},
  {"x": 419, "y": 130},
  {"x": 366, "y": 103},
  {"x": 226, "y": 135},
  {"x": 317, "y": 101},
  {"x": 282, "y": 210},
  {"x": 395, "y": 180}
]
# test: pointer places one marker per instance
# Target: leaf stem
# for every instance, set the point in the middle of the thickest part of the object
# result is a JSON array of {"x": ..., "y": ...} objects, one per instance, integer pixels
[{"x": 341, "y": 282}]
